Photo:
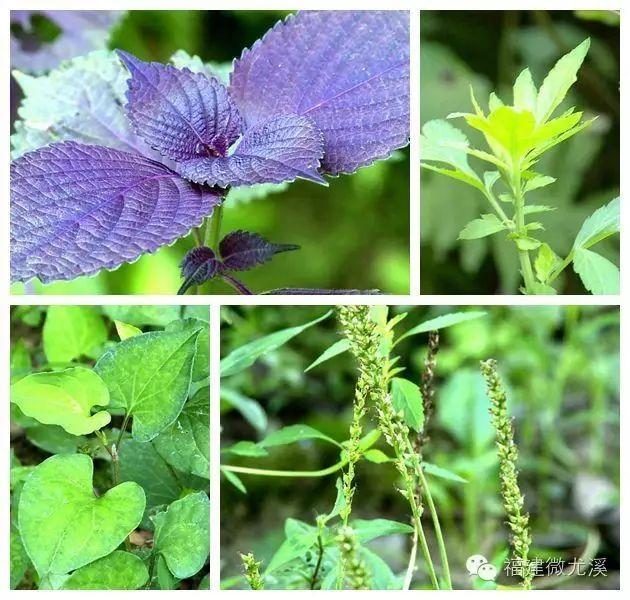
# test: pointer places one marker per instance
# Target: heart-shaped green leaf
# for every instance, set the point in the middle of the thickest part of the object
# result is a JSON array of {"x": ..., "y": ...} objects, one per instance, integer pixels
[
  {"x": 63, "y": 398},
  {"x": 149, "y": 375},
  {"x": 182, "y": 534},
  {"x": 201, "y": 364},
  {"x": 63, "y": 525},
  {"x": 116, "y": 571},
  {"x": 185, "y": 445}
]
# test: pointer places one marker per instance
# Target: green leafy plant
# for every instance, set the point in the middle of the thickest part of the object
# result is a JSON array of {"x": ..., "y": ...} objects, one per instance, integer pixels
[
  {"x": 332, "y": 554},
  {"x": 110, "y": 447},
  {"x": 517, "y": 136},
  {"x": 422, "y": 454}
]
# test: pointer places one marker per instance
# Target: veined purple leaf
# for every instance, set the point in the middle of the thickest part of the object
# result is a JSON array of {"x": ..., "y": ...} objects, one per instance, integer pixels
[
  {"x": 281, "y": 149},
  {"x": 347, "y": 70},
  {"x": 181, "y": 114},
  {"x": 242, "y": 250},
  {"x": 200, "y": 264},
  {"x": 76, "y": 209}
]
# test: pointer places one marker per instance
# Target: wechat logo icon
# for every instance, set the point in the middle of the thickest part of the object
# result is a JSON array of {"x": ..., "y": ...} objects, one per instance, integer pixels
[{"x": 478, "y": 565}]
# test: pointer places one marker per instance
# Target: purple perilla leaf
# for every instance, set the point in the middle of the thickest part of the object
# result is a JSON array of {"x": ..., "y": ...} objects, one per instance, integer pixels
[
  {"x": 76, "y": 209},
  {"x": 281, "y": 149},
  {"x": 199, "y": 265},
  {"x": 346, "y": 70},
  {"x": 181, "y": 114},
  {"x": 242, "y": 250}
]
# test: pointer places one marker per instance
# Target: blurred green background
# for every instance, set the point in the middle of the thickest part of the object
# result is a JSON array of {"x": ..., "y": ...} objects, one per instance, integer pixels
[
  {"x": 353, "y": 234},
  {"x": 561, "y": 368},
  {"x": 488, "y": 49}
]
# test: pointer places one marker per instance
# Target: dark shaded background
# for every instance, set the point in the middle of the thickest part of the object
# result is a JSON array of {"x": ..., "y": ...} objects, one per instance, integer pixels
[
  {"x": 353, "y": 234},
  {"x": 488, "y": 49},
  {"x": 561, "y": 366}
]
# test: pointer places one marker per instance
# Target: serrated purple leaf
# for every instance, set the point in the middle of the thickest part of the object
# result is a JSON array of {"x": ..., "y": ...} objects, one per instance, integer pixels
[
  {"x": 347, "y": 70},
  {"x": 181, "y": 114},
  {"x": 242, "y": 250},
  {"x": 199, "y": 265},
  {"x": 77, "y": 209},
  {"x": 281, "y": 149}
]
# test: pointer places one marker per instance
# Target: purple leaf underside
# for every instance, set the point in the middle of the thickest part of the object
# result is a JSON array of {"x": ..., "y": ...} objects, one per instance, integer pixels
[
  {"x": 281, "y": 149},
  {"x": 181, "y": 114},
  {"x": 242, "y": 250},
  {"x": 199, "y": 265},
  {"x": 77, "y": 209},
  {"x": 347, "y": 70}
]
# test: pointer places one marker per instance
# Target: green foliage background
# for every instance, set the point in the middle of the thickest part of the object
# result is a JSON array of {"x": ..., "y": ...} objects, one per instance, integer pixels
[
  {"x": 488, "y": 49},
  {"x": 78, "y": 336},
  {"x": 353, "y": 234},
  {"x": 561, "y": 367}
]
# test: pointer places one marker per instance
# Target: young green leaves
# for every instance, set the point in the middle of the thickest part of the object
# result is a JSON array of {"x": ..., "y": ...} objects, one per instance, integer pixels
[
  {"x": 517, "y": 136},
  {"x": 64, "y": 398}
]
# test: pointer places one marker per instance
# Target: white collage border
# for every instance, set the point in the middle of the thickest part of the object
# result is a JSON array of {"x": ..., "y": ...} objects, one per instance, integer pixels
[{"x": 415, "y": 6}]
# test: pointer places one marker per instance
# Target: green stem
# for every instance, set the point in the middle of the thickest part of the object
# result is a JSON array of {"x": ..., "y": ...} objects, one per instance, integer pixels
[
  {"x": 436, "y": 526},
  {"x": 424, "y": 547},
  {"x": 274, "y": 473},
  {"x": 519, "y": 213},
  {"x": 213, "y": 228}
]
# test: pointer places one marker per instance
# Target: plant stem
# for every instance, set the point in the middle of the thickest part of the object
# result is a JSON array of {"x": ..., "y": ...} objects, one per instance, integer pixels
[
  {"x": 436, "y": 526},
  {"x": 239, "y": 286},
  {"x": 320, "y": 556},
  {"x": 411, "y": 565},
  {"x": 213, "y": 228},
  {"x": 519, "y": 213},
  {"x": 274, "y": 473}
]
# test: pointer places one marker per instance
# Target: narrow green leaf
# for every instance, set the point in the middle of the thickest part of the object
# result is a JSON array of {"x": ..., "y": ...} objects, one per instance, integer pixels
[
  {"x": 538, "y": 181},
  {"x": 558, "y": 81},
  {"x": 537, "y": 208},
  {"x": 234, "y": 480},
  {"x": 337, "y": 348},
  {"x": 442, "y": 321},
  {"x": 597, "y": 273},
  {"x": 376, "y": 456},
  {"x": 292, "y": 434},
  {"x": 525, "y": 92},
  {"x": 479, "y": 228},
  {"x": 246, "y": 448},
  {"x": 251, "y": 410},
  {"x": 72, "y": 331},
  {"x": 442, "y": 473},
  {"x": 245, "y": 356},
  {"x": 406, "y": 397},
  {"x": 64, "y": 398},
  {"x": 604, "y": 222},
  {"x": 367, "y": 530}
]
